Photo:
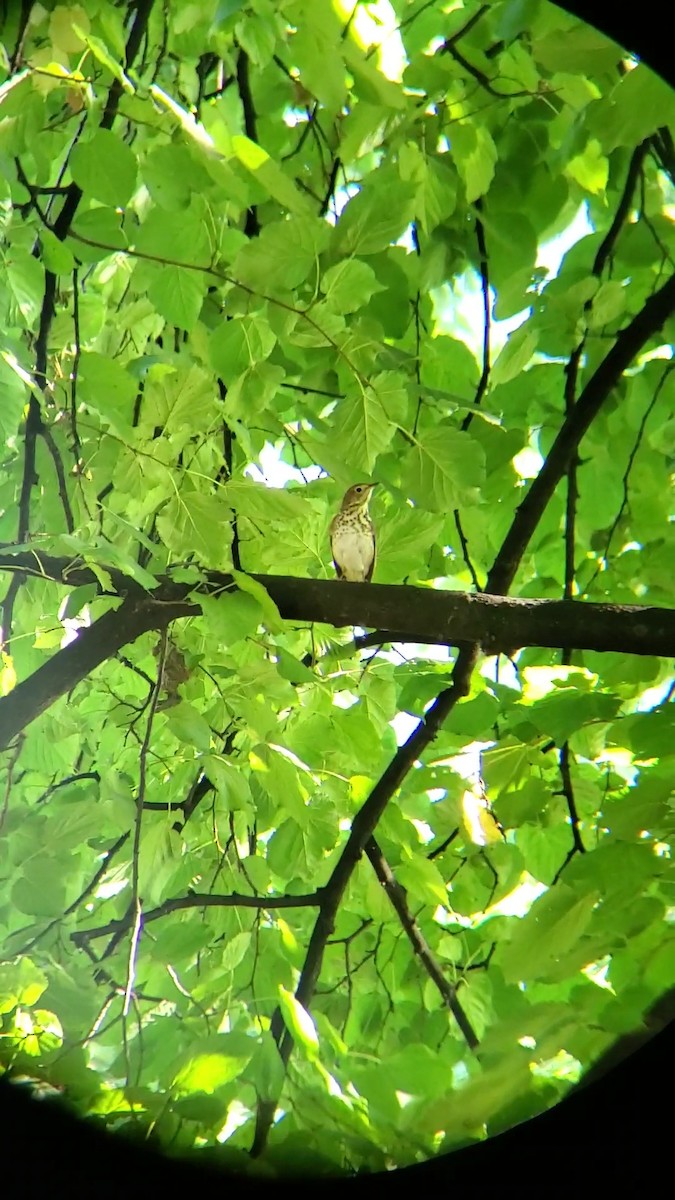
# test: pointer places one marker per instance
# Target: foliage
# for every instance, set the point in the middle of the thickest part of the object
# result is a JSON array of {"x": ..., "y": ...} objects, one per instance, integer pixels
[{"x": 230, "y": 888}]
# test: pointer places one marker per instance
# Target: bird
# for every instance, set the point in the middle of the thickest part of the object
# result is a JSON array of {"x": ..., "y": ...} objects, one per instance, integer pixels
[{"x": 352, "y": 536}]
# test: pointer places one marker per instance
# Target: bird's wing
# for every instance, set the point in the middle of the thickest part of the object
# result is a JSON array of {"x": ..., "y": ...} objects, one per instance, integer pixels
[
  {"x": 338, "y": 572},
  {"x": 369, "y": 576}
]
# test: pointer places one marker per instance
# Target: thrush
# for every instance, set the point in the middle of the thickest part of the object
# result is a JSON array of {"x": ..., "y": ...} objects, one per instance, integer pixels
[{"x": 352, "y": 536}]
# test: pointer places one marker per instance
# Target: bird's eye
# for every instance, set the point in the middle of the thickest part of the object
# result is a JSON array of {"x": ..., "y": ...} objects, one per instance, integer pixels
[{"x": 359, "y": 489}]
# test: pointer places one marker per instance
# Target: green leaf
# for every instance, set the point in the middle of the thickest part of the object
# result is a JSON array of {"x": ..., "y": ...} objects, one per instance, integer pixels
[
  {"x": 235, "y": 951},
  {"x": 475, "y": 155},
  {"x": 158, "y": 849},
  {"x": 267, "y": 1069},
  {"x": 422, "y": 878},
  {"x": 648, "y": 735},
  {"x": 292, "y": 669},
  {"x": 417, "y": 1071},
  {"x": 375, "y": 217},
  {"x": 201, "y": 1108},
  {"x": 25, "y": 279},
  {"x": 270, "y": 176},
  {"x": 516, "y": 355},
  {"x": 111, "y": 556},
  {"x": 260, "y": 594},
  {"x": 590, "y": 169},
  {"x": 403, "y": 542},
  {"x": 175, "y": 238},
  {"x": 193, "y": 523},
  {"x": 370, "y": 83},
  {"x": 636, "y": 107},
  {"x": 170, "y": 174},
  {"x": 14, "y": 392},
  {"x": 238, "y": 344},
  {"x": 317, "y": 52},
  {"x": 178, "y": 295},
  {"x": 177, "y": 399},
  {"x": 230, "y": 782},
  {"x": 21, "y": 983},
  {"x": 287, "y": 851},
  {"x": 553, "y": 925},
  {"x": 257, "y": 35},
  {"x": 232, "y": 617},
  {"x": 365, "y": 428},
  {"x": 188, "y": 725},
  {"x": 96, "y": 233},
  {"x": 263, "y": 504},
  {"x": 105, "y": 168},
  {"x": 566, "y": 709},
  {"x": 609, "y": 303},
  {"x": 107, "y": 389},
  {"x": 445, "y": 469},
  {"x": 56, "y": 256},
  {"x": 579, "y": 49},
  {"x": 284, "y": 255},
  {"x": 78, "y": 599},
  {"x": 40, "y": 890},
  {"x": 349, "y": 285},
  {"x": 213, "y": 1062},
  {"x": 253, "y": 391}
]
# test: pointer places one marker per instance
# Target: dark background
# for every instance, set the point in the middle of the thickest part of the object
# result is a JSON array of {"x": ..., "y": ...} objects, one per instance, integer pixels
[{"x": 613, "y": 1131}]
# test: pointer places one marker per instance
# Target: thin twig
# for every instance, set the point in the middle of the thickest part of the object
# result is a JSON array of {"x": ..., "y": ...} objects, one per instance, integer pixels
[
  {"x": 626, "y": 475},
  {"x": 48, "y": 439},
  {"x": 577, "y": 846},
  {"x": 485, "y": 292},
  {"x": 11, "y": 766},
  {"x": 465, "y": 551},
  {"x": 416, "y": 938},
  {"x": 136, "y": 901}
]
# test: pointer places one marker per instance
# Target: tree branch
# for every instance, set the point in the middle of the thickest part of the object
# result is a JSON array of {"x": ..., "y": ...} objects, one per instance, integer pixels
[
  {"x": 362, "y": 830},
  {"x": 630, "y": 341},
  {"x": 577, "y": 846},
  {"x": 69, "y": 666},
  {"x": 409, "y": 614},
  {"x": 419, "y": 943},
  {"x": 626, "y": 475},
  {"x": 34, "y": 422},
  {"x": 197, "y": 900},
  {"x": 623, "y": 208},
  {"x": 485, "y": 292},
  {"x": 252, "y": 224}
]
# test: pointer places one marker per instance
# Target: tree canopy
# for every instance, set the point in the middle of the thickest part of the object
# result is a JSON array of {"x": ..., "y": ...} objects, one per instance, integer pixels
[{"x": 325, "y": 876}]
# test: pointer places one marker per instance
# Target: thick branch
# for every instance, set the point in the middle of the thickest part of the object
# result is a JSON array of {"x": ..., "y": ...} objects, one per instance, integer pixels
[
  {"x": 406, "y": 614},
  {"x": 135, "y": 616},
  {"x": 409, "y": 614}
]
